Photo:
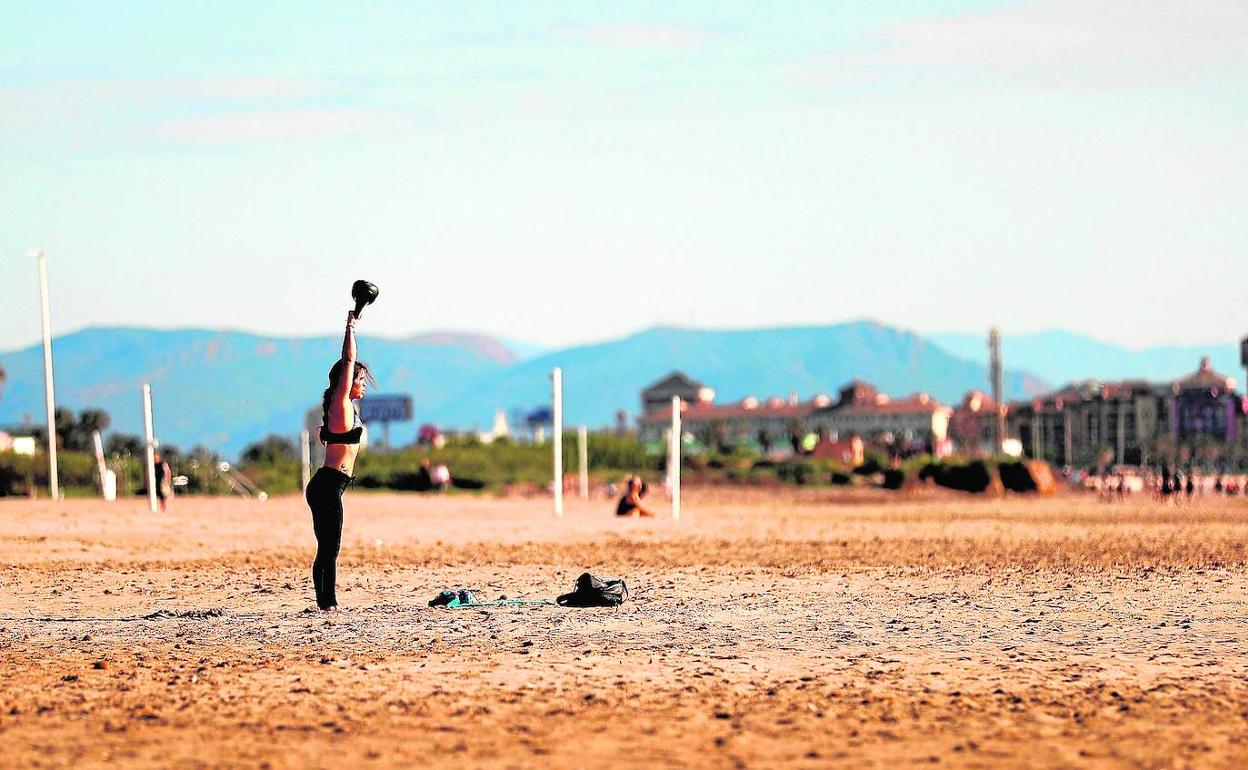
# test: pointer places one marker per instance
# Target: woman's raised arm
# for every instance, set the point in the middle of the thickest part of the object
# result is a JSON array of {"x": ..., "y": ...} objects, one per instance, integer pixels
[
  {"x": 340, "y": 403},
  {"x": 348, "y": 341}
]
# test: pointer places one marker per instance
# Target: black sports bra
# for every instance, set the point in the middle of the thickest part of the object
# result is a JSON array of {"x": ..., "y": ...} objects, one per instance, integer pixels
[{"x": 350, "y": 437}]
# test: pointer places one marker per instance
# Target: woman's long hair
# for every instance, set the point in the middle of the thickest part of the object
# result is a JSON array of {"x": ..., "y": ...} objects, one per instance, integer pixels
[{"x": 335, "y": 372}]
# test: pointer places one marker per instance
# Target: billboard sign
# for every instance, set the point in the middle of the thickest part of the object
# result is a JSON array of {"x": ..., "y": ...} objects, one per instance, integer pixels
[{"x": 386, "y": 407}]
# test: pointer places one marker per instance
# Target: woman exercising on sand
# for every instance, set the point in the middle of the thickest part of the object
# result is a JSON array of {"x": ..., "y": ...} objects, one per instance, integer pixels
[{"x": 340, "y": 433}]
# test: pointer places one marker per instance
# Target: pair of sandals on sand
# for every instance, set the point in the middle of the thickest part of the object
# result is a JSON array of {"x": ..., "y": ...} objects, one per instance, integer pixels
[{"x": 590, "y": 591}]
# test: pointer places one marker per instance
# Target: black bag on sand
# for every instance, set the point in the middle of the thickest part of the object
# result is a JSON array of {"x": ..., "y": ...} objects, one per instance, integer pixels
[{"x": 595, "y": 592}]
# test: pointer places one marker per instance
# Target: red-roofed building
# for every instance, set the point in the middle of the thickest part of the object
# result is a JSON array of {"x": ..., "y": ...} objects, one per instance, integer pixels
[
  {"x": 861, "y": 411},
  {"x": 768, "y": 423},
  {"x": 864, "y": 411},
  {"x": 972, "y": 426},
  {"x": 848, "y": 451}
]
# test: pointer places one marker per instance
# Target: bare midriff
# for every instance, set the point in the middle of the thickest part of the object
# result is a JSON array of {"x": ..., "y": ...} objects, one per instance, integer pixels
[{"x": 341, "y": 457}]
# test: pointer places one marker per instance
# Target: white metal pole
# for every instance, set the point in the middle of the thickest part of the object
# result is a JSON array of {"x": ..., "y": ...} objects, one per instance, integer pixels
[
  {"x": 582, "y": 440},
  {"x": 150, "y": 440},
  {"x": 556, "y": 379},
  {"x": 673, "y": 457},
  {"x": 305, "y": 457},
  {"x": 54, "y": 482},
  {"x": 99, "y": 455}
]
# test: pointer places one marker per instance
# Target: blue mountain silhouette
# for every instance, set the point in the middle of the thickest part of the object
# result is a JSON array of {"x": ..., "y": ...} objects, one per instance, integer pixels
[{"x": 225, "y": 389}]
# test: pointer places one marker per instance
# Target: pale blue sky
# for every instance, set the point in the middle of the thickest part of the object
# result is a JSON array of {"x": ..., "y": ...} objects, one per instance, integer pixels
[{"x": 566, "y": 172}]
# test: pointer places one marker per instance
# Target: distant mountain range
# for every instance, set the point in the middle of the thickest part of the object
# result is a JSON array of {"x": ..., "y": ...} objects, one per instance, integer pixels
[
  {"x": 601, "y": 378},
  {"x": 225, "y": 389},
  {"x": 1060, "y": 357}
]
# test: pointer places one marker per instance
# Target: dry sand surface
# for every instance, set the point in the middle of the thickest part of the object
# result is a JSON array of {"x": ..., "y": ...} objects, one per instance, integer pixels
[{"x": 782, "y": 630}]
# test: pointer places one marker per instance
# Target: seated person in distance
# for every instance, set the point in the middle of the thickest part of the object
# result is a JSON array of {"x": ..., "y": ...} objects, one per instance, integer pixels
[{"x": 630, "y": 503}]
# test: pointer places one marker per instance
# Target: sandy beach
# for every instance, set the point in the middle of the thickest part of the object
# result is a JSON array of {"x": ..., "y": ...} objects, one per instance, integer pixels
[{"x": 765, "y": 629}]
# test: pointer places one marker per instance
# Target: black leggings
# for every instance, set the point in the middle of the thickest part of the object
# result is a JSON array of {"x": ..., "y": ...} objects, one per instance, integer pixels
[{"x": 324, "y": 496}]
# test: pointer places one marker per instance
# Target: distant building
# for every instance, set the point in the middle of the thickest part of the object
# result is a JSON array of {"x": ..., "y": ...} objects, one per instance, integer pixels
[
  {"x": 659, "y": 395},
  {"x": 850, "y": 451},
  {"x": 19, "y": 440},
  {"x": 1196, "y": 418},
  {"x": 25, "y": 445},
  {"x": 1203, "y": 406},
  {"x": 972, "y": 425},
  {"x": 501, "y": 429},
  {"x": 770, "y": 423},
  {"x": 863, "y": 411},
  {"x": 1132, "y": 422},
  {"x": 777, "y": 423}
]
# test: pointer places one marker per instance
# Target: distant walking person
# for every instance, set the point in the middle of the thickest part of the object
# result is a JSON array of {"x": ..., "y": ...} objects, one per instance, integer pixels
[{"x": 340, "y": 433}]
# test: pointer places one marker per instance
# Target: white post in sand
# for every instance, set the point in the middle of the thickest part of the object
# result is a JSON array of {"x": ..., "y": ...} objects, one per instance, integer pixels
[
  {"x": 98, "y": 442},
  {"x": 556, "y": 380},
  {"x": 582, "y": 440},
  {"x": 673, "y": 458},
  {"x": 305, "y": 457},
  {"x": 54, "y": 482},
  {"x": 108, "y": 478},
  {"x": 150, "y": 440},
  {"x": 99, "y": 456}
]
